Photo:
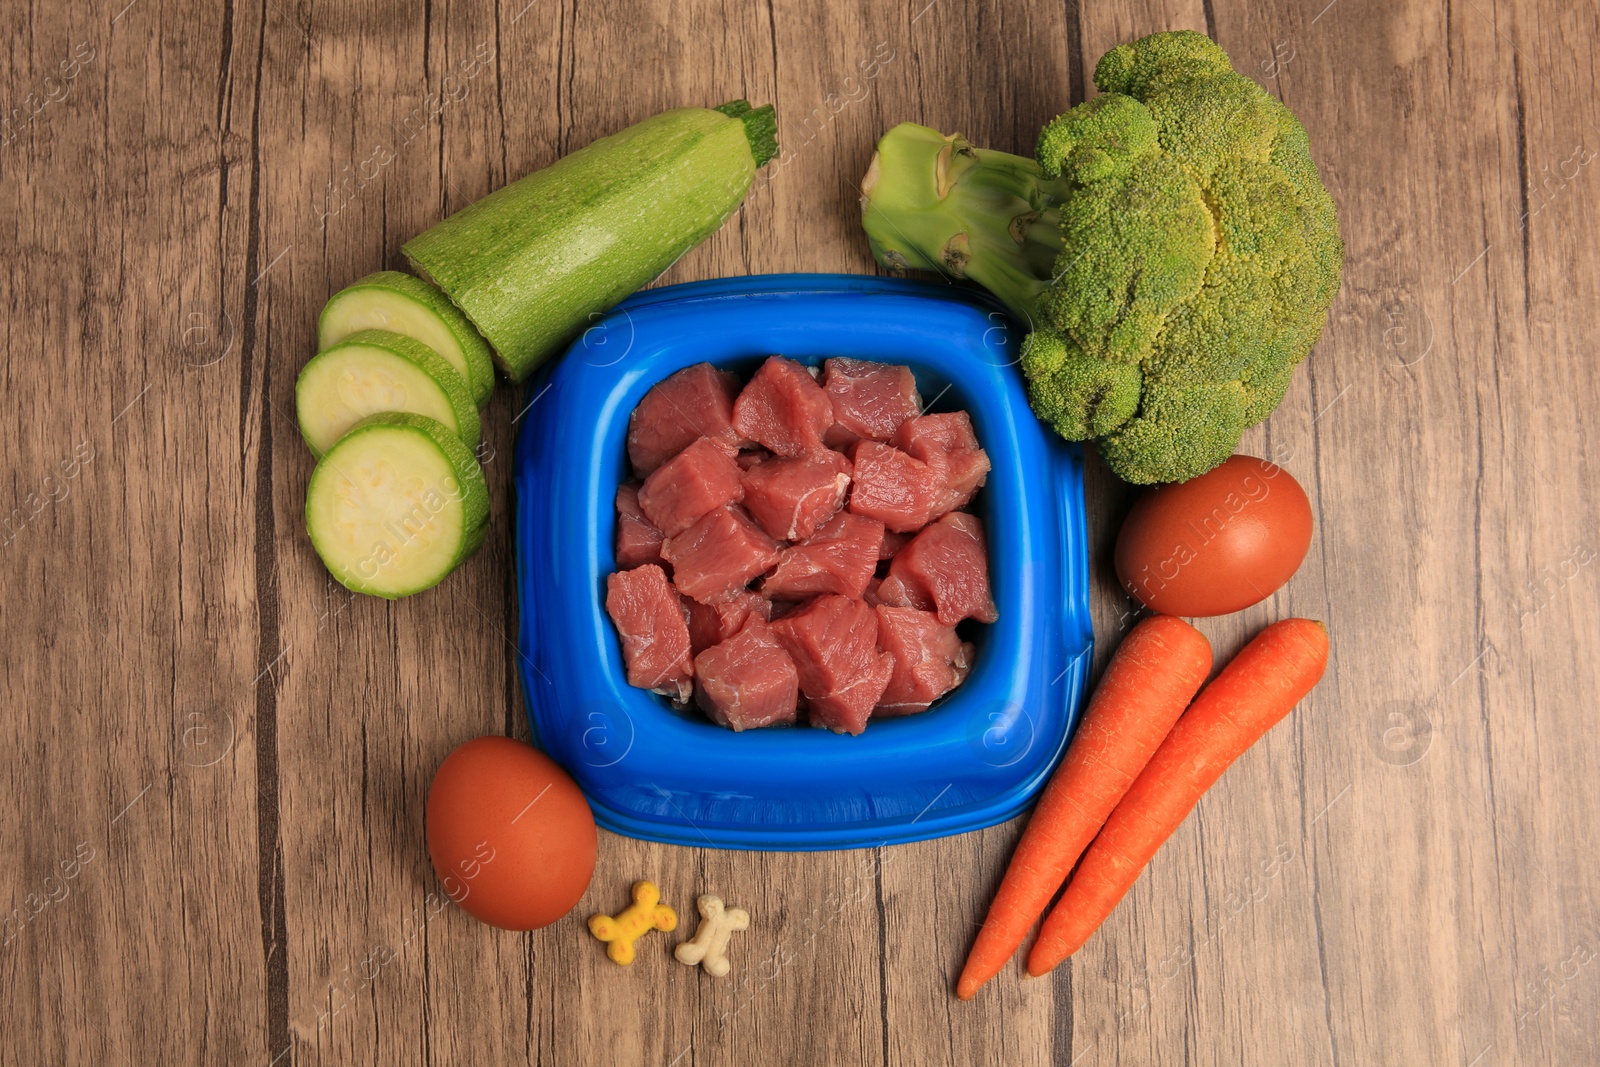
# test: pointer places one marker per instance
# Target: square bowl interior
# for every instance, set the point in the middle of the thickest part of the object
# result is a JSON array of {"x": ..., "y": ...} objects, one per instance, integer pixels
[{"x": 976, "y": 757}]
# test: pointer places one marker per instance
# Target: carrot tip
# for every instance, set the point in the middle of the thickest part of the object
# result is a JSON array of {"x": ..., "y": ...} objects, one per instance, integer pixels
[{"x": 1038, "y": 966}]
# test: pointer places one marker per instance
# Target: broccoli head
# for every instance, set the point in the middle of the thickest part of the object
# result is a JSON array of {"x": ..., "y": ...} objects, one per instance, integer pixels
[{"x": 1171, "y": 248}]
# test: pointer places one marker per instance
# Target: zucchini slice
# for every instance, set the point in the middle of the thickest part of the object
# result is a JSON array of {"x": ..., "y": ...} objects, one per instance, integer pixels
[
  {"x": 374, "y": 371},
  {"x": 399, "y": 303},
  {"x": 396, "y": 504}
]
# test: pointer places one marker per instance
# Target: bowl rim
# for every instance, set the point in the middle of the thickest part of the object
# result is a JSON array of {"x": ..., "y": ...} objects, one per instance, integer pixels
[{"x": 614, "y": 713}]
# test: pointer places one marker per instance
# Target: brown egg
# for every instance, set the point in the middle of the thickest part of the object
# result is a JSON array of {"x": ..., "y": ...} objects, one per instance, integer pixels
[
  {"x": 1217, "y": 543},
  {"x": 509, "y": 833}
]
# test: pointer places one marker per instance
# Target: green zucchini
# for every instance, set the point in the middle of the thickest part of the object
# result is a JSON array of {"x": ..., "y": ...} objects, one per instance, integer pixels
[
  {"x": 399, "y": 303},
  {"x": 396, "y": 504},
  {"x": 530, "y": 264},
  {"x": 374, "y": 371}
]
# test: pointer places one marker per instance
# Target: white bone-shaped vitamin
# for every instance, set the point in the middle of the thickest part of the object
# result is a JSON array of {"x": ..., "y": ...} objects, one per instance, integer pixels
[{"x": 709, "y": 946}]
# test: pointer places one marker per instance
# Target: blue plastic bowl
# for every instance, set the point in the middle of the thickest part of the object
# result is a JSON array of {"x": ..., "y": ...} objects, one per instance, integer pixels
[{"x": 976, "y": 758}]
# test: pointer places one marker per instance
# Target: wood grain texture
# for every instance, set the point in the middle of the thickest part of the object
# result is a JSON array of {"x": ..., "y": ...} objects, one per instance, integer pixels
[{"x": 216, "y": 759}]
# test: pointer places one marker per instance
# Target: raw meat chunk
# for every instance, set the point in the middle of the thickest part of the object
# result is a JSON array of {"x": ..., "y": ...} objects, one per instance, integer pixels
[
  {"x": 929, "y": 659},
  {"x": 833, "y": 641},
  {"x": 748, "y": 680},
  {"x": 783, "y": 408},
  {"x": 695, "y": 402},
  {"x": 892, "y": 487},
  {"x": 870, "y": 399},
  {"x": 947, "y": 564},
  {"x": 839, "y": 438},
  {"x": 790, "y": 498},
  {"x": 892, "y": 543},
  {"x": 839, "y": 558},
  {"x": 655, "y": 640},
  {"x": 946, "y": 443},
  {"x": 719, "y": 555},
  {"x": 712, "y": 624},
  {"x": 691, "y": 484},
  {"x": 897, "y": 591},
  {"x": 638, "y": 540}
]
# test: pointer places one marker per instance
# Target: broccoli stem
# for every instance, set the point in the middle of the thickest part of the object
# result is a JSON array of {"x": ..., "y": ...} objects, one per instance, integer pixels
[{"x": 932, "y": 202}]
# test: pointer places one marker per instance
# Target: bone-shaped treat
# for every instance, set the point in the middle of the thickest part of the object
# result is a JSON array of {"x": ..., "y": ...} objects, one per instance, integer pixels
[
  {"x": 646, "y": 913},
  {"x": 709, "y": 946}
]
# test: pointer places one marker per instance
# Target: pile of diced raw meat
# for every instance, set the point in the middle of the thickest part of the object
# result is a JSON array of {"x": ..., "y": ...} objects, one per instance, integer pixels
[{"x": 797, "y": 546}]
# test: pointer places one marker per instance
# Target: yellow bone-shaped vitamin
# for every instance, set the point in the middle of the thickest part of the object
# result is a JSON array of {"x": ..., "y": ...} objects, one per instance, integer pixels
[
  {"x": 709, "y": 946},
  {"x": 646, "y": 913}
]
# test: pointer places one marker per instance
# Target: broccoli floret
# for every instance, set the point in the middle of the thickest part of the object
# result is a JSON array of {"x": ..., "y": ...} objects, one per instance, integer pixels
[{"x": 1171, "y": 248}]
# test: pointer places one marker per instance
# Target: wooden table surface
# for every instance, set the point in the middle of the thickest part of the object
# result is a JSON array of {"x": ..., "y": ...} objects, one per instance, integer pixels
[{"x": 215, "y": 760}]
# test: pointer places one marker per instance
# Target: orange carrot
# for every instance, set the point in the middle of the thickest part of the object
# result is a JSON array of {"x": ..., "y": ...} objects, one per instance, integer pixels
[
  {"x": 1266, "y": 679},
  {"x": 1148, "y": 683}
]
